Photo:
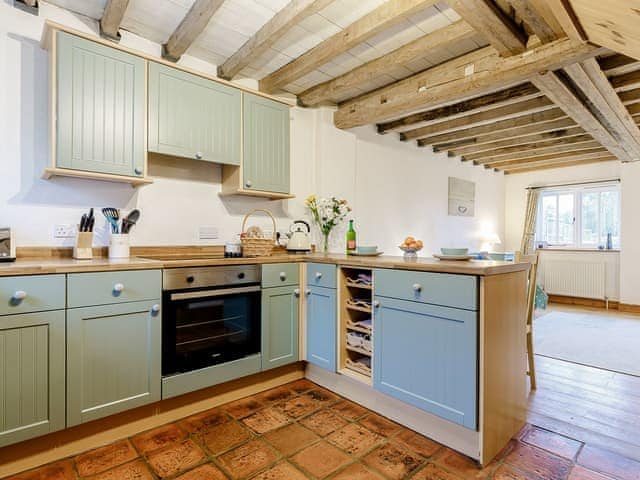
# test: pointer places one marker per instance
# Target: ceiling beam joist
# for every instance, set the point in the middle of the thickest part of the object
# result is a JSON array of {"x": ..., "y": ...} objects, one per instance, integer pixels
[
  {"x": 516, "y": 94},
  {"x": 112, "y": 17},
  {"x": 489, "y": 20},
  {"x": 579, "y": 142},
  {"x": 292, "y": 14},
  {"x": 420, "y": 92},
  {"x": 552, "y": 85},
  {"x": 567, "y": 155},
  {"x": 618, "y": 64},
  {"x": 521, "y": 125},
  {"x": 558, "y": 164},
  {"x": 191, "y": 26},
  {"x": 333, "y": 89},
  {"x": 532, "y": 14},
  {"x": 385, "y": 16},
  {"x": 567, "y": 18}
]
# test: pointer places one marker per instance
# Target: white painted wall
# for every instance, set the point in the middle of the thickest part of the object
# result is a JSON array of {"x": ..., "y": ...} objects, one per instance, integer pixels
[
  {"x": 396, "y": 189},
  {"x": 630, "y": 234}
]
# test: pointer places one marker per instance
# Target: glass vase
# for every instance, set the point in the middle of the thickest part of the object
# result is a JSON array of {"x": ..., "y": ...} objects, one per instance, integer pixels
[{"x": 325, "y": 242}]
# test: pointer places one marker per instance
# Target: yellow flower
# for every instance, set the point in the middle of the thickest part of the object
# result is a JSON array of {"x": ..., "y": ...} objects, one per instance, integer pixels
[{"x": 311, "y": 199}]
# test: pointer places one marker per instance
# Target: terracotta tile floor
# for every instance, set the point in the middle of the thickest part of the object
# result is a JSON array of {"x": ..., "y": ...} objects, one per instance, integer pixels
[{"x": 302, "y": 431}]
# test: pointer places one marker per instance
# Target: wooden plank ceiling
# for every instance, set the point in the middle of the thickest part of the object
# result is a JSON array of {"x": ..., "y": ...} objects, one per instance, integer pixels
[{"x": 511, "y": 85}]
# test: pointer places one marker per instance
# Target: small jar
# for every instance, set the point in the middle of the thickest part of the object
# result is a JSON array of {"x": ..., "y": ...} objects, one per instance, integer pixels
[
  {"x": 119, "y": 246},
  {"x": 232, "y": 250}
]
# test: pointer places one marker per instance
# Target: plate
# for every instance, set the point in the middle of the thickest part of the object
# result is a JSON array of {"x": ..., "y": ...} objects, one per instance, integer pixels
[
  {"x": 453, "y": 257},
  {"x": 372, "y": 254}
]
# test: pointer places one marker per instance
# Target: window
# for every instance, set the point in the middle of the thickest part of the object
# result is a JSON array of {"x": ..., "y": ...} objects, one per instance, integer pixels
[{"x": 579, "y": 217}]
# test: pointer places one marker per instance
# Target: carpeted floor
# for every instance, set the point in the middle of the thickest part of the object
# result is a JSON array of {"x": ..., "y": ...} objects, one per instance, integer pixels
[{"x": 603, "y": 340}]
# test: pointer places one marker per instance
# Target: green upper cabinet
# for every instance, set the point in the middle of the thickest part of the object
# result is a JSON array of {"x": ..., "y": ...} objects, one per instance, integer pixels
[
  {"x": 265, "y": 163},
  {"x": 100, "y": 98},
  {"x": 192, "y": 117},
  {"x": 32, "y": 376}
]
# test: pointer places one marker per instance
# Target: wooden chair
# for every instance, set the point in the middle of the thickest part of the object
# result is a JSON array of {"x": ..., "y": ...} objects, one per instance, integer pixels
[{"x": 531, "y": 299}]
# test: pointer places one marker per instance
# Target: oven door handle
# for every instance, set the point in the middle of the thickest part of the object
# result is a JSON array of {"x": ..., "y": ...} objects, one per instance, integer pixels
[{"x": 213, "y": 293}]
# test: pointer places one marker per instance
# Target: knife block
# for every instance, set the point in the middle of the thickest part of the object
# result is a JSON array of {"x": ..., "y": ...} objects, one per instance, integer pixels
[{"x": 83, "y": 249}]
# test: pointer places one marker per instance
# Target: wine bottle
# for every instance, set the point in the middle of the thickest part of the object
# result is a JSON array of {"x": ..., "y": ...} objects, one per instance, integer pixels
[{"x": 351, "y": 238}]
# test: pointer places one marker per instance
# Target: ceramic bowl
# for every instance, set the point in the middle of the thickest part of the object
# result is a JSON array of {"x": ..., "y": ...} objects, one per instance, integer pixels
[
  {"x": 367, "y": 249},
  {"x": 410, "y": 252},
  {"x": 454, "y": 251},
  {"x": 497, "y": 256}
]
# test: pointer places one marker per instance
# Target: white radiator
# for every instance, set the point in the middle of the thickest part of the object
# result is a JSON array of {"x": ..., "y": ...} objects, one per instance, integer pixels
[{"x": 575, "y": 278}]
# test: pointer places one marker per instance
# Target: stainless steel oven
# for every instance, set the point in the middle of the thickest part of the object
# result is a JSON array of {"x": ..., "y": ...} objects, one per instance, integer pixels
[{"x": 211, "y": 315}]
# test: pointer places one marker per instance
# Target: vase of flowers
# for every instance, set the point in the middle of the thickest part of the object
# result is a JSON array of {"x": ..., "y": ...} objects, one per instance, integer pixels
[{"x": 327, "y": 213}]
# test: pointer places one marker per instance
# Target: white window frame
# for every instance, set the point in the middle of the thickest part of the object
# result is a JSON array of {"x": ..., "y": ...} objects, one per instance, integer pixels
[{"x": 577, "y": 191}]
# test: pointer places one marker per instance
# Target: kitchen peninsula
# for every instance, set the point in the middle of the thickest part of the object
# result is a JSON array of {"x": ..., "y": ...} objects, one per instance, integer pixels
[{"x": 448, "y": 338}]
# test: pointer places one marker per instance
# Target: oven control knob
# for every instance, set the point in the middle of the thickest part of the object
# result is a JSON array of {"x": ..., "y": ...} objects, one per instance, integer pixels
[
  {"x": 190, "y": 279},
  {"x": 241, "y": 275}
]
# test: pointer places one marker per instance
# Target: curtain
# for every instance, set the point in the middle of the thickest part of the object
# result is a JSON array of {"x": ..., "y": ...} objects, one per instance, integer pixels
[{"x": 528, "y": 235}]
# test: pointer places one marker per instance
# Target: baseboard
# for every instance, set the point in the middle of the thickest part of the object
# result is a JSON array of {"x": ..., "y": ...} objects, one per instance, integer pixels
[
  {"x": 629, "y": 308},
  {"x": 584, "y": 302},
  {"x": 72, "y": 441}
]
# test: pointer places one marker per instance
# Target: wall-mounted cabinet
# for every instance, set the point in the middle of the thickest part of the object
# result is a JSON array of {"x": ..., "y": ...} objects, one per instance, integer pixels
[
  {"x": 192, "y": 117},
  {"x": 98, "y": 111}
]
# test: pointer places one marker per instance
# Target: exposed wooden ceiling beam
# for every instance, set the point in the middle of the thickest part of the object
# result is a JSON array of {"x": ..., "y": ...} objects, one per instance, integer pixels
[
  {"x": 385, "y": 16},
  {"x": 483, "y": 118},
  {"x": 567, "y": 18},
  {"x": 526, "y": 141},
  {"x": 529, "y": 122},
  {"x": 272, "y": 31},
  {"x": 618, "y": 64},
  {"x": 580, "y": 142},
  {"x": 490, "y": 21},
  {"x": 630, "y": 97},
  {"x": 509, "y": 96},
  {"x": 562, "y": 95},
  {"x": 332, "y": 90},
  {"x": 112, "y": 17},
  {"x": 567, "y": 155},
  {"x": 191, "y": 26},
  {"x": 532, "y": 14},
  {"x": 626, "y": 81},
  {"x": 443, "y": 84},
  {"x": 557, "y": 164},
  {"x": 589, "y": 78}
]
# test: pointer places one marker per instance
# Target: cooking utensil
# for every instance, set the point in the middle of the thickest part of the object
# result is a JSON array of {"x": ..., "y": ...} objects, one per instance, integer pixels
[
  {"x": 130, "y": 220},
  {"x": 83, "y": 223},
  {"x": 112, "y": 215}
]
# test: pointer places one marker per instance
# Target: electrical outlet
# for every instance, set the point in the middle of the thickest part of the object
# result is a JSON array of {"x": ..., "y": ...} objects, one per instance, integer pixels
[
  {"x": 65, "y": 230},
  {"x": 207, "y": 233}
]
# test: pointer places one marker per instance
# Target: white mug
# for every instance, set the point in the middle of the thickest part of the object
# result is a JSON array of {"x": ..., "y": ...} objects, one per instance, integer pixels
[{"x": 119, "y": 246}]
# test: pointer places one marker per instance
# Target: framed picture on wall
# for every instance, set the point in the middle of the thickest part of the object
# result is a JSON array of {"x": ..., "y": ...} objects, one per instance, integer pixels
[{"x": 462, "y": 197}]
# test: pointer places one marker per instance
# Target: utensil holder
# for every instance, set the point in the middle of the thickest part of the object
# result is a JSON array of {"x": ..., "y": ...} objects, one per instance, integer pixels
[
  {"x": 119, "y": 246},
  {"x": 83, "y": 249}
]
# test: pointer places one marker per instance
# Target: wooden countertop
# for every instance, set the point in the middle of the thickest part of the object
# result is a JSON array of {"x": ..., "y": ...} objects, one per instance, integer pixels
[{"x": 50, "y": 265}]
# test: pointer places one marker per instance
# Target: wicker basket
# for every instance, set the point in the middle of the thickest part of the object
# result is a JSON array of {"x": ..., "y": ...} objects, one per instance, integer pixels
[{"x": 257, "y": 247}]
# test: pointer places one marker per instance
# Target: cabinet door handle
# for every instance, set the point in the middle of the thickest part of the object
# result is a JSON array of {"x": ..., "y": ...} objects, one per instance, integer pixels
[
  {"x": 417, "y": 287},
  {"x": 283, "y": 276},
  {"x": 318, "y": 275},
  {"x": 199, "y": 155},
  {"x": 155, "y": 308},
  {"x": 19, "y": 295},
  {"x": 118, "y": 287},
  {"x": 137, "y": 171},
  {"x": 296, "y": 292},
  {"x": 248, "y": 183},
  {"x": 307, "y": 292},
  {"x": 376, "y": 303}
]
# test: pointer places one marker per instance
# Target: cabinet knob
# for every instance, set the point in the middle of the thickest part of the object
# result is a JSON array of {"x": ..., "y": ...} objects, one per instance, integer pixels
[
  {"x": 283, "y": 276},
  {"x": 417, "y": 287},
  {"x": 118, "y": 287},
  {"x": 248, "y": 183},
  {"x": 376, "y": 303},
  {"x": 307, "y": 292},
  {"x": 19, "y": 295},
  {"x": 318, "y": 275},
  {"x": 137, "y": 171},
  {"x": 296, "y": 292},
  {"x": 199, "y": 155},
  {"x": 155, "y": 308}
]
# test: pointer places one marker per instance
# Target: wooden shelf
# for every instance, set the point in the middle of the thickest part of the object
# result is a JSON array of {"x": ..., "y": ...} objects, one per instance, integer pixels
[
  {"x": 256, "y": 193},
  {"x": 358, "y": 309},
  {"x": 65, "y": 172},
  {"x": 357, "y": 375},
  {"x": 358, "y": 285},
  {"x": 356, "y": 328},
  {"x": 359, "y": 350}
]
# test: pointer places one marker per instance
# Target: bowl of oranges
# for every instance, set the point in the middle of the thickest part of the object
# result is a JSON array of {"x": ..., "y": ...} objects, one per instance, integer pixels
[{"x": 410, "y": 246}]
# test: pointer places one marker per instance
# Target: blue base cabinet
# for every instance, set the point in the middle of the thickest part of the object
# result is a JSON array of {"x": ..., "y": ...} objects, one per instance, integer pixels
[
  {"x": 321, "y": 331},
  {"x": 427, "y": 354}
]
